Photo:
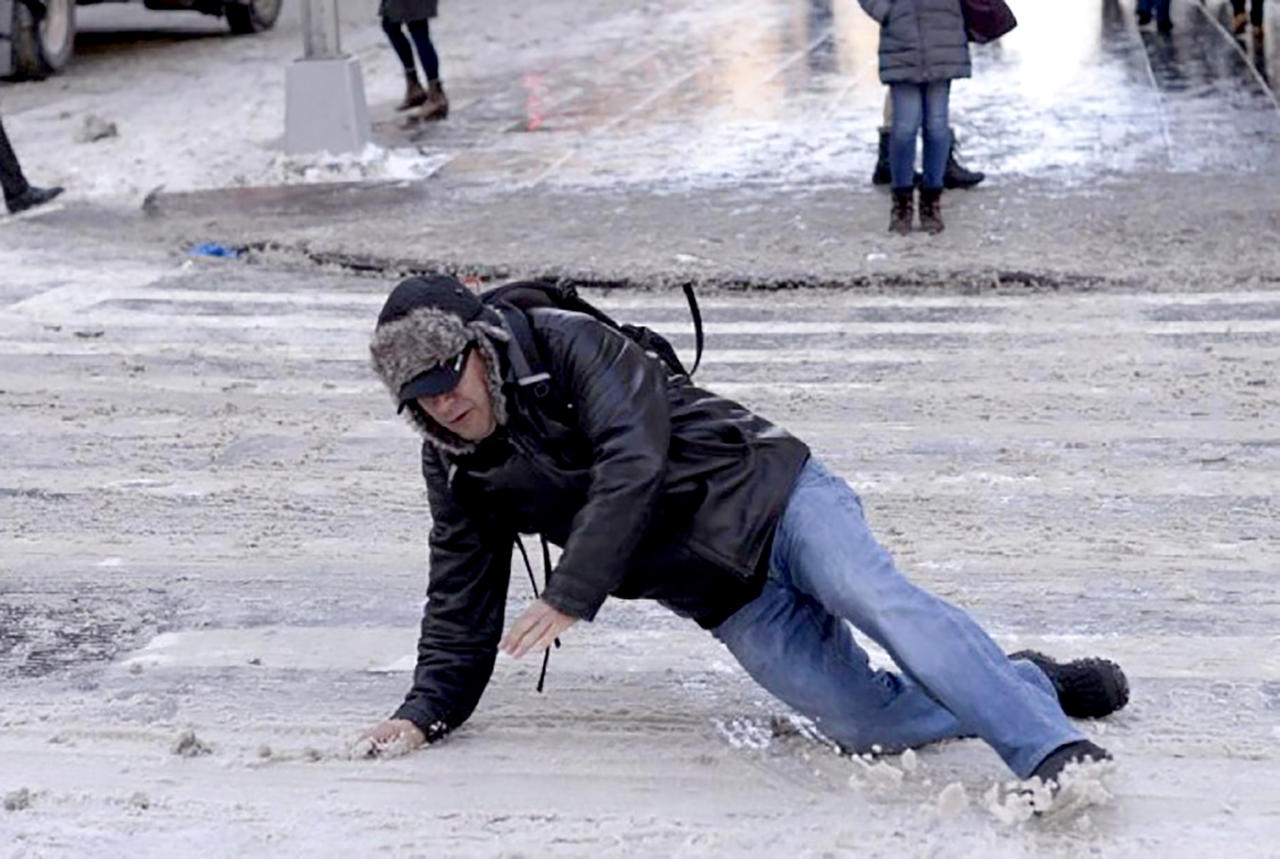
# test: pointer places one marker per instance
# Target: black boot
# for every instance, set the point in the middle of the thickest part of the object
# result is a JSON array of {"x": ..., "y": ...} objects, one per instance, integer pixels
[
  {"x": 1081, "y": 751},
  {"x": 880, "y": 176},
  {"x": 33, "y": 196},
  {"x": 903, "y": 210},
  {"x": 931, "y": 211},
  {"x": 957, "y": 175},
  {"x": 1087, "y": 688}
]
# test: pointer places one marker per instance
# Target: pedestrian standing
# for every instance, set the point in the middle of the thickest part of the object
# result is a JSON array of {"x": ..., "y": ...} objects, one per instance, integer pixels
[
  {"x": 923, "y": 47},
  {"x": 19, "y": 194},
  {"x": 414, "y": 16},
  {"x": 550, "y": 421}
]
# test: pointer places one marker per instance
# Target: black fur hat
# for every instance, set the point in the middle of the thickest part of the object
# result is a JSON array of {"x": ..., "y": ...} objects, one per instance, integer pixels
[{"x": 424, "y": 322}]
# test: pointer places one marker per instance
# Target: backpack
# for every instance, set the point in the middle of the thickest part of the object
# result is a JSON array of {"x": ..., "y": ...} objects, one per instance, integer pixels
[{"x": 513, "y": 300}]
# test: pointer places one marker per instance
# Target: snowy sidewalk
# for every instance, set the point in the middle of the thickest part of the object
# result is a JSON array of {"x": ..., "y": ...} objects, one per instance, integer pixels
[{"x": 672, "y": 96}]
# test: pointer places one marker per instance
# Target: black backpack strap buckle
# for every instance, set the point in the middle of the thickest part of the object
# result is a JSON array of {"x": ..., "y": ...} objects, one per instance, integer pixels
[{"x": 522, "y": 351}]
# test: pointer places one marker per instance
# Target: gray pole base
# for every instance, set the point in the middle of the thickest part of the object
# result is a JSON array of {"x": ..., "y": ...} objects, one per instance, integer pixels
[{"x": 324, "y": 106}]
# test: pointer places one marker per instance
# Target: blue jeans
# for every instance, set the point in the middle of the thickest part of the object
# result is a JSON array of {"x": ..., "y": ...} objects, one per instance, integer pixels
[
  {"x": 915, "y": 105},
  {"x": 827, "y": 568}
]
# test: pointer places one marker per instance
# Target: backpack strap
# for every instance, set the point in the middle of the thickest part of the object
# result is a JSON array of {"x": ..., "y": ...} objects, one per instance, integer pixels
[
  {"x": 546, "y": 574},
  {"x": 697, "y": 325},
  {"x": 523, "y": 351}
]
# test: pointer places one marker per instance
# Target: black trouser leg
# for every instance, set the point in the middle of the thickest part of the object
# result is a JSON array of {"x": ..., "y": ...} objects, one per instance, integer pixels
[
  {"x": 15, "y": 184},
  {"x": 1255, "y": 10},
  {"x": 401, "y": 44},
  {"x": 421, "y": 32}
]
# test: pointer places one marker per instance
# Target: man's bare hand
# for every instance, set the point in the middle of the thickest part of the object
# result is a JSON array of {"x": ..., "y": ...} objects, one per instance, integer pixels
[
  {"x": 389, "y": 739},
  {"x": 536, "y": 629}
]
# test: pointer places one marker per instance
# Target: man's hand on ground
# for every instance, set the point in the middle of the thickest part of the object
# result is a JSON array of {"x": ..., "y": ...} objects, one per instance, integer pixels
[
  {"x": 535, "y": 629},
  {"x": 389, "y": 739}
]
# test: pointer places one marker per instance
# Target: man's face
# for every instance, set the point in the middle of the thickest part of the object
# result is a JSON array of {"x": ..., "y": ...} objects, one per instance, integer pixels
[{"x": 467, "y": 410}]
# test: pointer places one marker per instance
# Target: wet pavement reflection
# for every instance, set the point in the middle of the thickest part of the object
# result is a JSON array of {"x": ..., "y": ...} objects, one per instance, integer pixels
[{"x": 787, "y": 91}]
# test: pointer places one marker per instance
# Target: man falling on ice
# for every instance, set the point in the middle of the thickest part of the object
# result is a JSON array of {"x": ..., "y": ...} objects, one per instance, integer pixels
[{"x": 547, "y": 421}]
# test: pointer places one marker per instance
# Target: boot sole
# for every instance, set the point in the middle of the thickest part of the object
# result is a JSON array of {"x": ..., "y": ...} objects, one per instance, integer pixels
[{"x": 410, "y": 105}]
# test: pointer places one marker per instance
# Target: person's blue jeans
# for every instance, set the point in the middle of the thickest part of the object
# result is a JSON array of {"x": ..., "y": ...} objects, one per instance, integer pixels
[
  {"x": 916, "y": 105},
  {"x": 827, "y": 568},
  {"x": 1161, "y": 8}
]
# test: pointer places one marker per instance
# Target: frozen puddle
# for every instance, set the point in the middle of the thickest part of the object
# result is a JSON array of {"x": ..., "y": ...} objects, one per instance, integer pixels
[{"x": 390, "y": 649}]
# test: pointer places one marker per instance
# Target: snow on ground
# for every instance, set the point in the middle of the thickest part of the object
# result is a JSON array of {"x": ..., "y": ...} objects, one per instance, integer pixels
[
  {"x": 211, "y": 528},
  {"x": 663, "y": 94},
  {"x": 194, "y": 107},
  {"x": 213, "y": 558}
]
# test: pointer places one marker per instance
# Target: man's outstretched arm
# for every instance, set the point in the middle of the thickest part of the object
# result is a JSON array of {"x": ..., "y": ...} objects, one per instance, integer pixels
[{"x": 470, "y": 567}]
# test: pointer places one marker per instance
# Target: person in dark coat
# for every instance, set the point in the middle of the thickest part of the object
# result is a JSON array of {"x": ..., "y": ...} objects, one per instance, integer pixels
[
  {"x": 658, "y": 489},
  {"x": 19, "y": 194},
  {"x": 1144, "y": 8},
  {"x": 415, "y": 15},
  {"x": 923, "y": 47}
]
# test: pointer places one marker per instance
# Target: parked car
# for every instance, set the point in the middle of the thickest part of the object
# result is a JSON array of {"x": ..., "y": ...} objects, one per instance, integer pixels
[{"x": 37, "y": 37}]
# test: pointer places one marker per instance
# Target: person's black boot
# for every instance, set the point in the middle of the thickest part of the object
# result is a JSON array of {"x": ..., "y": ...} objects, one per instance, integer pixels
[
  {"x": 880, "y": 176},
  {"x": 1081, "y": 751},
  {"x": 1087, "y": 688},
  {"x": 957, "y": 175},
  {"x": 931, "y": 211},
  {"x": 33, "y": 196},
  {"x": 903, "y": 211}
]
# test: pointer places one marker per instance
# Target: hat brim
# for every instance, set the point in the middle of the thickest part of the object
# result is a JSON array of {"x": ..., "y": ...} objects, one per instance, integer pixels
[{"x": 438, "y": 380}]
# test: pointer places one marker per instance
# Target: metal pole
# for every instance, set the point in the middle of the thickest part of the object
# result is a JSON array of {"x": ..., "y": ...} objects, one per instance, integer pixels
[
  {"x": 320, "y": 38},
  {"x": 324, "y": 90}
]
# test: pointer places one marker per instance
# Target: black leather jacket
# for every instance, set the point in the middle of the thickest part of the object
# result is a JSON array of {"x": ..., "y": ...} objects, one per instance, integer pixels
[{"x": 653, "y": 487}]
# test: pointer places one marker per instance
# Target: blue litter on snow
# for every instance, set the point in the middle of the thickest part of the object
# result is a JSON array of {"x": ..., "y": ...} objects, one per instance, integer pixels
[{"x": 213, "y": 249}]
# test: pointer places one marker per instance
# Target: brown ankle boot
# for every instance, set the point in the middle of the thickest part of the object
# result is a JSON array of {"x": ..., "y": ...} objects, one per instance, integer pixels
[
  {"x": 436, "y": 105},
  {"x": 414, "y": 94},
  {"x": 903, "y": 211},
  {"x": 931, "y": 210}
]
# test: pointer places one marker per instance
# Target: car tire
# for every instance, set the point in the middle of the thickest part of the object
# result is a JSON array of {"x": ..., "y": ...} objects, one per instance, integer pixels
[
  {"x": 40, "y": 50},
  {"x": 253, "y": 16}
]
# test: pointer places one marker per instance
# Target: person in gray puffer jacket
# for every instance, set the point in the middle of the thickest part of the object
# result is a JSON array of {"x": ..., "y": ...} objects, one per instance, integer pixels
[{"x": 923, "y": 46}]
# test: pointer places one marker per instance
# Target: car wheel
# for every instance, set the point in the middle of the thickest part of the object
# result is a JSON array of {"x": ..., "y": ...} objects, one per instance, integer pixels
[
  {"x": 41, "y": 49},
  {"x": 253, "y": 16}
]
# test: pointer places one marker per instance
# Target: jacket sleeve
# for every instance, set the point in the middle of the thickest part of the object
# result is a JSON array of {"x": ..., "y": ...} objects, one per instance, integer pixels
[
  {"x": 470, "y": 568},
  {"x": 620, "y": 398},
  {"x": 877, "y": 9}
]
